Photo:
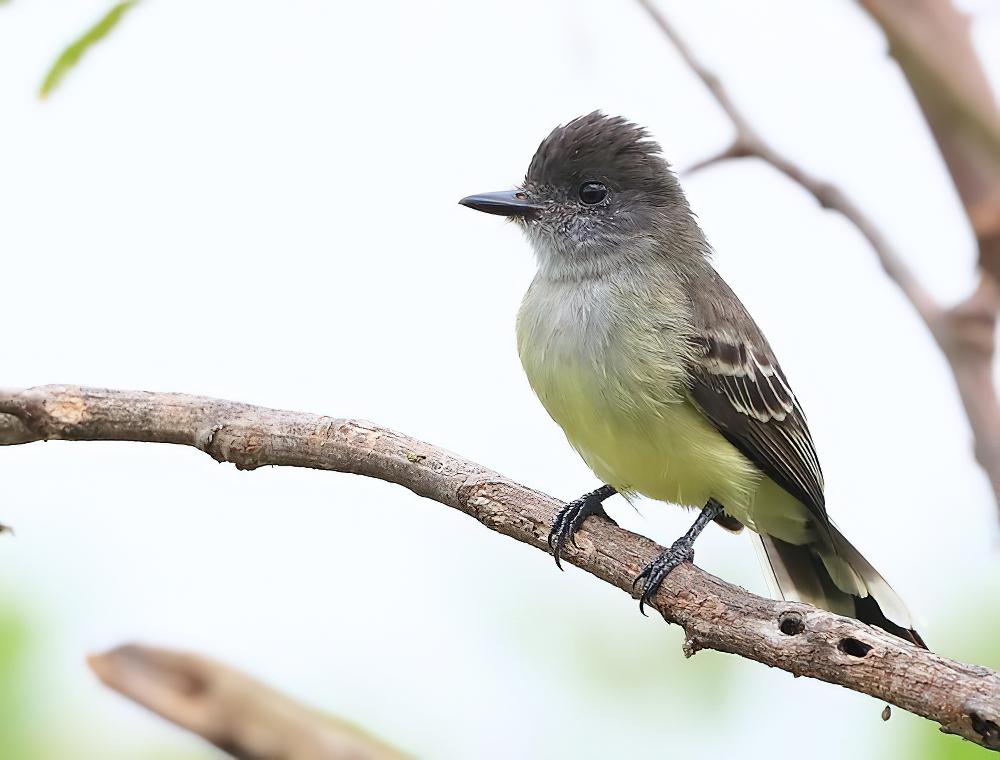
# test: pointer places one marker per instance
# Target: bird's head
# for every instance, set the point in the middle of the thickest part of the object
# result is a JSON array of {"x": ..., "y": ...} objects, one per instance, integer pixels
[{"x": 597, "y": 188}]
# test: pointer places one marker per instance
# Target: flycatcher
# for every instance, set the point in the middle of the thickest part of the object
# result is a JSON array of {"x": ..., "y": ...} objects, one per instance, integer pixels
[{"x": 660, "y": 378}]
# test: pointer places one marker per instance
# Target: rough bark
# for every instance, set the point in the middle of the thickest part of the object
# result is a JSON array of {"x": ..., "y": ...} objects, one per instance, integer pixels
[{"x": 964, "y": 699}]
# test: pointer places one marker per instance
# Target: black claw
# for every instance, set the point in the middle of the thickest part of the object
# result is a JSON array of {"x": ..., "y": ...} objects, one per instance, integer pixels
[
  {"x": 577, "y": 522},
  {"x": 571, "y": 518},
  {"x": 640, "y": 576},
  {"x": 682, "y": 550},
  {"x": 556, "y": 526},
  {"x": 656, "y": 571}
]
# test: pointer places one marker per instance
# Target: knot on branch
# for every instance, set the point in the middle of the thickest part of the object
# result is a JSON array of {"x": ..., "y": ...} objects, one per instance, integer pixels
[
  {"x": 790, "y": 623},
  {"x": 987, "y": 728},
  {"x": 854, "y": 648},
  {"x": 242, "y": 446},
  {"x": 691, "y": 646},
  {"x": 46, "y": 417},
  {"x": 988, "y": 237},
  {"x": 205, "y": 440},
  {"x": 970, "y": 327},
  {"x": 828, "y": 195},
  {"x": 740, "y": 148}
]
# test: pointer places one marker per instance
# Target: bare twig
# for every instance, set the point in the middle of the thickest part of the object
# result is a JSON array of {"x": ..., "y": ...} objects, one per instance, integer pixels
[
  {"x": 930, "y": 41},
  {"x": 965, "y": 332},
  {"x": 964, "y": 699},
  {"x": 240, "y": 715},
  {"x": 748, "y": 143}
]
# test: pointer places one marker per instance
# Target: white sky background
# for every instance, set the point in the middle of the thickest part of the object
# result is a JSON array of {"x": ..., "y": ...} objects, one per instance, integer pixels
[{"x": 257, "y": 201}]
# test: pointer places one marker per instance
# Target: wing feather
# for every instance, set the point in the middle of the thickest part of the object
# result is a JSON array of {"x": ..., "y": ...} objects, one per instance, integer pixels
[{"x": 739, "y": 385}]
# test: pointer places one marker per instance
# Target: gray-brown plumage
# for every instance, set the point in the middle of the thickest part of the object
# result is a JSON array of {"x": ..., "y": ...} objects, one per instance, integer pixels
[
  {"x": 659, "y": 377},
  {"x": 737, "y": 382}
]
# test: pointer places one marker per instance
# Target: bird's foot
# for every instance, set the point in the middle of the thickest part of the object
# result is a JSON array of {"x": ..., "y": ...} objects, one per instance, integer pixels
[
  {"x": 572, "y": 516},
  {"x": 682, "y": 550},
  {"x": 653, "y": 574}
]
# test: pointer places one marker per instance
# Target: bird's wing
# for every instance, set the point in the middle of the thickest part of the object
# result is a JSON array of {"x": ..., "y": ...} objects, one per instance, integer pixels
[{"x": 738, "y": 384}]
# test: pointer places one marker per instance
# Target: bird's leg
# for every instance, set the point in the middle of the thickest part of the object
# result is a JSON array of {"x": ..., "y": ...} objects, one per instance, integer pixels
[
  {"x": 681, "y": 551},
  {"x": 571, "y": 517}
]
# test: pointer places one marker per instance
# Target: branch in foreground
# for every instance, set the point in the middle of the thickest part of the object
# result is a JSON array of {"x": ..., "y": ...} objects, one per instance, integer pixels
[
  {"x": 964, "y": 699},
  {"x": 237, "y": 713},
  {"x": 964, "y": 332}
]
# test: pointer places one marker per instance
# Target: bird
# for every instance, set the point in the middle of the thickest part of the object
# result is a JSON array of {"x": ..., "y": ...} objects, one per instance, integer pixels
[{"x": 660, "y": 378}]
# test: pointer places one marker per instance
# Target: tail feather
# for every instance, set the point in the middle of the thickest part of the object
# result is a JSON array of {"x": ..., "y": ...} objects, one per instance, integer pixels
[{"x": 839, "y": 579}]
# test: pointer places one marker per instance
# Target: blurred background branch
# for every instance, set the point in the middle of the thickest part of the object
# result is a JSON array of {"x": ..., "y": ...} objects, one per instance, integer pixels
[
  {"x": 240, "y": 715},
  {"x": 800, "y": 639},
  {"x": 930, "y": 41}
]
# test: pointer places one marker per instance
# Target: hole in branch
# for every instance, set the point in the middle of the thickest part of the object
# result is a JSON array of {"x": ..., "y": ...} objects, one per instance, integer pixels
[
  {"x": 853, "y": 647},
  {"x": 790, "y": 623},
  {"x": 988, "y": 729}
]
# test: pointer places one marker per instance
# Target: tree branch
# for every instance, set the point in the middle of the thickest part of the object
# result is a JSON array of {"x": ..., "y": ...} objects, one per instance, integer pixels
[
  {"x": 964, "y": 699},
  {"x": 238, "y": 714},
  {"x": 748, "y": 143},
  {"x": 931, "y": 43}
]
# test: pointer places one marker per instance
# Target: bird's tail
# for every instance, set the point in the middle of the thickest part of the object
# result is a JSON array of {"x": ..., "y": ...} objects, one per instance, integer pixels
[{"x": 837, "y": 578}]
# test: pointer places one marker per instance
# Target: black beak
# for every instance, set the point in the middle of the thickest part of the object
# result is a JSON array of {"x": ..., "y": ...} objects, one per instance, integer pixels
[{"x": 504, "y": 203}]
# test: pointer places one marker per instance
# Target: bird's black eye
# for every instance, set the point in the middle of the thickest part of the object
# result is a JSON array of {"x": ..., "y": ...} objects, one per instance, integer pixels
[{"x": 593, "y": 192}]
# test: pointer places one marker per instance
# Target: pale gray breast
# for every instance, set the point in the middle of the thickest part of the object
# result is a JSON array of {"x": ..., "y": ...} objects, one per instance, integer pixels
[
  {"x": 623, "y": 337},
  {"x": 564, "y": 321}
]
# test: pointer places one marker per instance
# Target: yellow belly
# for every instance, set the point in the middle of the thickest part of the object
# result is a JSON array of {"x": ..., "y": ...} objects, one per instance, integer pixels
[
  {"x": 644, "y": 440},
  {"x": 619, "y": 395}
]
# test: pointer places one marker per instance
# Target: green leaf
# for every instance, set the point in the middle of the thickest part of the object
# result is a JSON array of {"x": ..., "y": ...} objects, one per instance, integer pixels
[{"x": 71, "y": 56}]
